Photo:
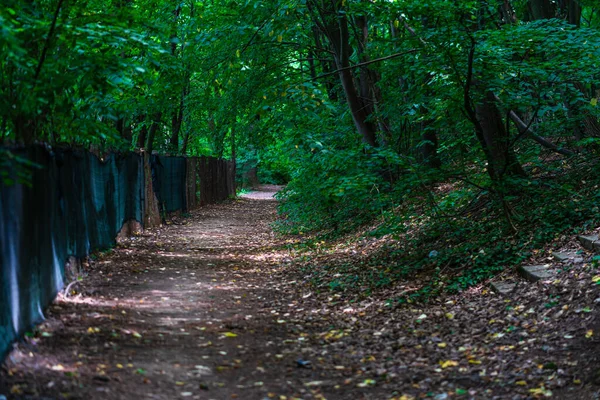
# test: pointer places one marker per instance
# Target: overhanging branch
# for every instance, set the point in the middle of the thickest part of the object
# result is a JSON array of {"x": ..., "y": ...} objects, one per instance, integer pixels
[{"x": 362, "y": 64}]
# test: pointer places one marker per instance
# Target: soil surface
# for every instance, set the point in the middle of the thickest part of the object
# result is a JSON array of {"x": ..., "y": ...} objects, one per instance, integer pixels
[{"x": 215, "y": 306}]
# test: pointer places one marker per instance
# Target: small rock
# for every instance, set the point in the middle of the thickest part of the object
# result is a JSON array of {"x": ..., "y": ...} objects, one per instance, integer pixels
[
  {"x": 535, "y": 273},
  {"x": 503, "y": 287},
  {"x": 590, "y": 242}
]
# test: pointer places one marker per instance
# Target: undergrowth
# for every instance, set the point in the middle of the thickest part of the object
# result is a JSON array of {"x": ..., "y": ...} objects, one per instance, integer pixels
[{"x": 442, "y": 237}]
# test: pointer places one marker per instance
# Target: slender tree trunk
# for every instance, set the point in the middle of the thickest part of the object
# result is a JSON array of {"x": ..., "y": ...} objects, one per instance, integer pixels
[
  {"x": 502, "y": 160},
  {"x": 572, "y": 10},
  {"x": 141, "y": 139},
  {"x": 152, "y": 133},
  {"x": 141, "y": 142},
  {"x": 186, "y": 141},
  {"x": 176, "y": 121},
  {"x": 335, "y": 22},
  {"x": 233, "y": 156},
  {"x": 177, "y": 114}
]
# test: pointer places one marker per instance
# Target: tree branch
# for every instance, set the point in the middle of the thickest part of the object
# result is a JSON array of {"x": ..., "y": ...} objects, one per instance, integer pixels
[
  {"x": 38, "y": 69},
  {"x": 368, "y": 62},
  {"x": 525, "y": 129}
]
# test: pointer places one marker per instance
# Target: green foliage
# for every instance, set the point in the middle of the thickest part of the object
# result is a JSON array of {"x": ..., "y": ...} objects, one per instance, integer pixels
[
  {"x": 267, "y": 83},
  {"x": 338, "y": 188}
]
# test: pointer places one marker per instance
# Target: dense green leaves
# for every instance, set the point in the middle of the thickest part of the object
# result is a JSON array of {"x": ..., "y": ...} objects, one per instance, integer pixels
[{"x": 363, "y": 106}]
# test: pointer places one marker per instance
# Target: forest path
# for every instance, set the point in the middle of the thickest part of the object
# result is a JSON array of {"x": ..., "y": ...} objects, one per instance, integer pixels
[
  {"x": 188, "y": 310},
  {"x": 215, "y": 306}
]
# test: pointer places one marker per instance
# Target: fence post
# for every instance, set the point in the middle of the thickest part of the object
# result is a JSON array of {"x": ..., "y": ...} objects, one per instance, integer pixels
[{"x": 151, "y": 213}]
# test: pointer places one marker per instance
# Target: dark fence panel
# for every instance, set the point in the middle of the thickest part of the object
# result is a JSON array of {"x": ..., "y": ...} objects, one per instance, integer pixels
[
  {"x": 75, "y": 203},
  {"x": 216, "y": 178},
  {"x": 169, "y": 182}
]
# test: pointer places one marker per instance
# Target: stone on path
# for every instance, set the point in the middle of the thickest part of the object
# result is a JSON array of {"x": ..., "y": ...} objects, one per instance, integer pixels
[
  {"x": 534, "y": 273},
  {"x": 567, "y": 257},
  {"x": 503, "y": 287},
  {"x": 589, "y": 242}
]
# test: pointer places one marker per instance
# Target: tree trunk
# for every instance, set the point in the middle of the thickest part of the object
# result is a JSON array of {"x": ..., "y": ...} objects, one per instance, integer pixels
[
  {"x": 176, "y": 121},
  {"x": 334, "y": 22},
  {"x": 233, "y": 157},
  {"x": 572, "y": 10},
  {"x": 141, "y": 142},
  {"x": 141, "y": 139},
  {"x": 502, "y": 161},
  {"x": 152, "y": 134}
]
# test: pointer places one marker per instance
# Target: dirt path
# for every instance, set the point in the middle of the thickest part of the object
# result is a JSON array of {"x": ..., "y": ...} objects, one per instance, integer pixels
[
  {"x": 186, "y": 311},
  {"x": 210, "y": 307}
]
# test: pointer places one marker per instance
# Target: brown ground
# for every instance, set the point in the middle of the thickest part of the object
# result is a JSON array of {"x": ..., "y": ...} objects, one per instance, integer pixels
[{"x": 212, "y": 307}]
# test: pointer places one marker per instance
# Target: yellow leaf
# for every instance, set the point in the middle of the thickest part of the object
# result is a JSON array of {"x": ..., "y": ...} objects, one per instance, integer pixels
[
  {"x": 594, "y": 101},
  {"x": 596, "y": 279},
  {"x": 396, "y": 23},
  {"x": 442, "y": 345},
  {"x": 448, "y": 363},
  {"x": 230, "y": 334},
  {"x": 541, "y": 391},
  {"x": 521, "y": 383},
  {"x": 589, "y": 334},
  {"x": 16, "y": 389},
  {"x": 366, "y": 382},
  {"x": 179, "y": 383},
  {"x": 279, "y": 38}
]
